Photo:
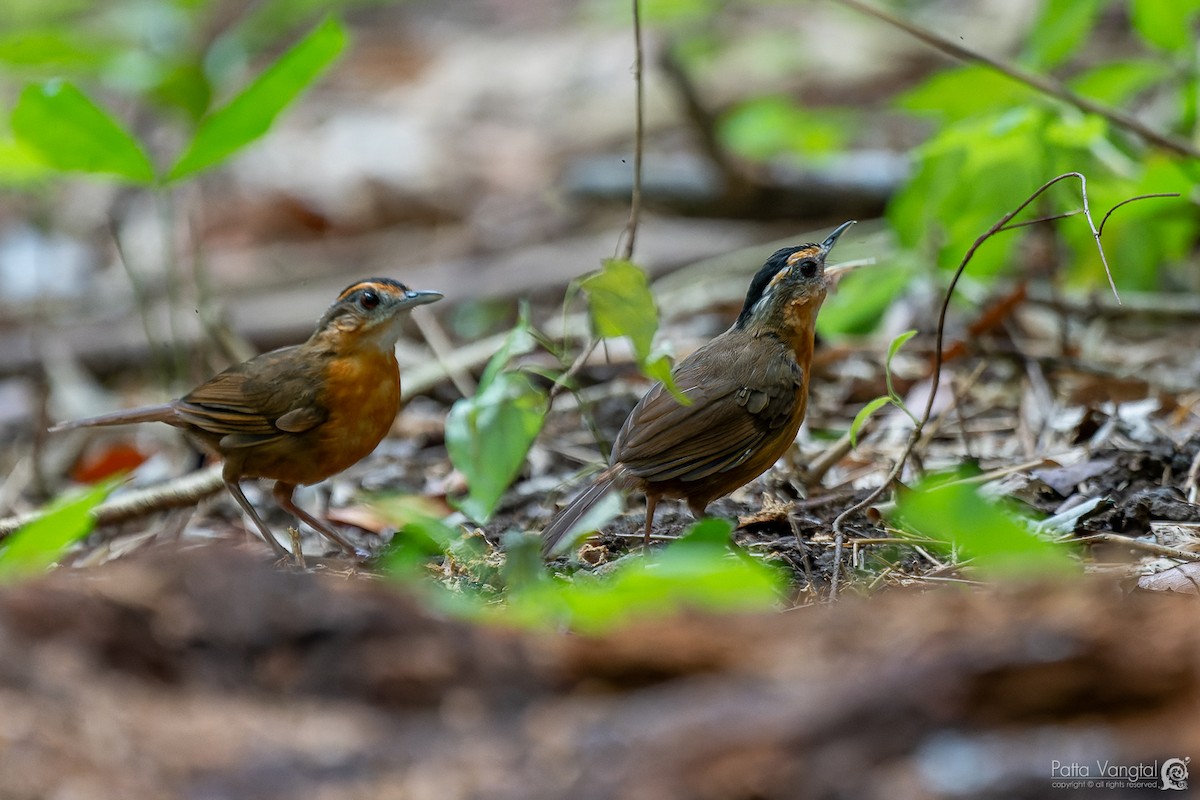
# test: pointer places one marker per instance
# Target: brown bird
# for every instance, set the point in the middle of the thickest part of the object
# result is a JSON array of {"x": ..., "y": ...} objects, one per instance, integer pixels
[
  {"x": 299, "y": 414},
  {"x": 748, "y": 389}
]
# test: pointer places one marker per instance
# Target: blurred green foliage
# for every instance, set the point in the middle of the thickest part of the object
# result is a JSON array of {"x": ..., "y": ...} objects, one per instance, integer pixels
[
  {"x": 992, "y": 140},
  {"x": 33, "y": 548},
  {"x": 997, "y": 140},
  {"x": 94, "y": 83},
  {"x": 701, "y": 570},
  {"x": 998, "y": 541}
]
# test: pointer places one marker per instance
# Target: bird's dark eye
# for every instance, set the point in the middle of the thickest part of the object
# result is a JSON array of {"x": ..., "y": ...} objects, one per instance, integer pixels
[
  {"x": 368, "y": 300},
  {"x": 808, "y": 268}
]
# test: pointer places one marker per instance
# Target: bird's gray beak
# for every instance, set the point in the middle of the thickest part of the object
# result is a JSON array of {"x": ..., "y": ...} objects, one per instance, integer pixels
[
  {"x": 828, "y": 244},
  {"x": 419, "y": 297}
]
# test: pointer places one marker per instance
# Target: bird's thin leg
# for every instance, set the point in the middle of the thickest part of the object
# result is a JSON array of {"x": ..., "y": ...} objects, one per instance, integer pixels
[
  {"x": 283, "y": 496},
  {"x": 651, "y": 503},
  {"x": 235, "y": 489}
]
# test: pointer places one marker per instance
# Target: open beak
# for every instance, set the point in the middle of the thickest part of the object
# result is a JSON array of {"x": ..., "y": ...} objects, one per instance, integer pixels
[
  {"x": 419, "y": 297},
  {"x": 835, "y": 273},
  {"x": 828, "y": 244}
]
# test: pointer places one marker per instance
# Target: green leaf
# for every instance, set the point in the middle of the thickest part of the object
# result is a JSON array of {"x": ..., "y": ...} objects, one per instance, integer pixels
[
  {"x": 249, "y": 115},
  {"x": 677, "y": 11},
  {"x": 1118, "y": 82},
  {"x": 956, "y": 94},
  {"x": 895, "y": 346},
  {"x": 488, "y": 436},
  {"x": 185, "y": 86},
  {"x": 420, "y": 534},
  {"x": 35, "y": 547},
  {"x": 766, "y": 127},
  {"x": 864, "y": 414},
  {"x": 941, "y": 211},
  {"x": 620, "y": 304},
  {"x": 698, "y": 571},
  {"x": 1059, "y": 30},
  {"x": 659, "y": 368},
  {"x": 20, "y": 166},
  {"x": 999, "y": 542},
  {"x": 1166, "y": 24},
  {"x": 71, "y": 133},
  {"x": 47, "y": 49}
]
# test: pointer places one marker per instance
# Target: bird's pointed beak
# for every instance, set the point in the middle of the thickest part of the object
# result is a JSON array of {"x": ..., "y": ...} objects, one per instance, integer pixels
[
  {"x": 828, "y": 244},
  {"x": 419, "y": 297}
]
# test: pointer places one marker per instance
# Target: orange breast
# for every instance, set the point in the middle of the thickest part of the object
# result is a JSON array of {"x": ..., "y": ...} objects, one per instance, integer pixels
[{"x": 362, "y": 395}]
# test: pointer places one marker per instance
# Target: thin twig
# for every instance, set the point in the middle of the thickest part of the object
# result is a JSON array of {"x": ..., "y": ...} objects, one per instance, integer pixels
[
  {"x": 183, "y": 491},
  {"x": 1027, "y": 223},
  {"x": 562, "y": 381},
  {"x": 443, "y": 351},
  {"x": 806, "y": 563},
  {"x": 635, "y": 200},
  {"x": 141, "y": 296},
  {"x": 1041, "y": 83},
  {"x": 939, "y": 341},
  {"x": 1137, "y": 544},
  {"x": 1193, "y": 479},
  {"x": 1131, "y": 200}
]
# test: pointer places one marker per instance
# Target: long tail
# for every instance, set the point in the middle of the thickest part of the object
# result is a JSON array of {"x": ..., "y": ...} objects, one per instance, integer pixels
[
  {"x": 163, "y": 413},
  {"x": 570, "y": 516}
]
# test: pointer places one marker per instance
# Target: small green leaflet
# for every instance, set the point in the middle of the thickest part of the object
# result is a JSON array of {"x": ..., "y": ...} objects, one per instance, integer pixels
[
  {"x": 249, "y": 115},
  {"x": 34, "y": 547},
  {"x": 489, "y": 434},
  {"x": 69, "y": 132}
]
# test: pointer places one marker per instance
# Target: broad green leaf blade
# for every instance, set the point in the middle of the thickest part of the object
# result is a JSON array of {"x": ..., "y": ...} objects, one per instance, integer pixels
[
  {"x": 488, "y": 436},
  {"x": 1115, "y": 83},
  {"x": 620, "y": 304},
  {"x": 71, "y": 133},
  {"x": 999, "y": 542},
  {"x": 54, "y": 49},
  {"x": 1058, "y": 31},
  {"x": 34, "y": 547},
  {"x": 766, "y": 127},
  {"x": 249, "y": 115},
  {"x": 1166, "y": 24},
  {"x": 956, "y": 94},
  {"x": 20, "y": 166},
  {"x": 864, "y": 414}
]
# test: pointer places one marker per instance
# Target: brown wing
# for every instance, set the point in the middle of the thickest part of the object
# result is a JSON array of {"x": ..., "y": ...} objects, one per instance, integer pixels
[
  {"x": 257, "y": 401},
  {"x": 733, "y": 410}
]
